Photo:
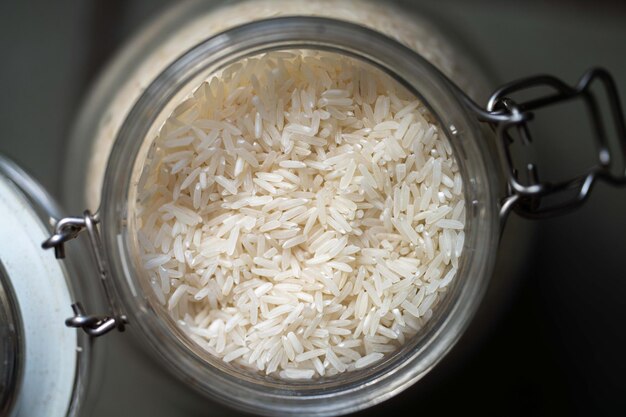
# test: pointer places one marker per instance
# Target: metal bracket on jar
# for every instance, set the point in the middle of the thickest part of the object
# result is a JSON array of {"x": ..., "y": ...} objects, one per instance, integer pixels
[
  {"x": 509, "y": 117},
  {"x": 67, "y": 229}
]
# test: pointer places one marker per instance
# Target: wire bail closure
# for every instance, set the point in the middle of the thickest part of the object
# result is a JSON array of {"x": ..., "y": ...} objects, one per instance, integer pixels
[
  {"x": 69, "y": 228},
  {"x": 506, "y": 115}
]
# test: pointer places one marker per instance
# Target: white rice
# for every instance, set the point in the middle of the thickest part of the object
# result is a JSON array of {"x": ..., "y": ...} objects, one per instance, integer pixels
[
  {"x": 368, "y": 360},
  {"x": 301, "y": 231}
]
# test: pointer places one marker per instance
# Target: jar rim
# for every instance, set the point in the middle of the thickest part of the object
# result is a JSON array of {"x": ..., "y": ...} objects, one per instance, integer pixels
[{"x": 413, "y": 72}]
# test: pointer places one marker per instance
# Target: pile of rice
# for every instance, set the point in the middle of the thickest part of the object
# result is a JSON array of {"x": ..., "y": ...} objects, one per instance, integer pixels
[{"x": 301, "y": 214}]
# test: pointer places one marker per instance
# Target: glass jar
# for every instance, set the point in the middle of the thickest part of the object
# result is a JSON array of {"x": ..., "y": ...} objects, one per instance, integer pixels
[
  {"x": 349, "y": 391},
  {"x": 144, "y": 86}
]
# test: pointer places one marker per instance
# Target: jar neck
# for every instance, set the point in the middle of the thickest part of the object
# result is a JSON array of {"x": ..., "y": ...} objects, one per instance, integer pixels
[{"x": 175, "y": 83}]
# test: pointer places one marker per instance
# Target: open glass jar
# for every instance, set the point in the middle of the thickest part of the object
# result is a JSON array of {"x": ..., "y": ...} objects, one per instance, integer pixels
[
  {"x": 254, "y": 392},
  {"x": 114, "y": 192}
]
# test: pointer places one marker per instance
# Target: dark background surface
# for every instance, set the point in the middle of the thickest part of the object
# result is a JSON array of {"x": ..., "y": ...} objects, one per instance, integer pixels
[{"x": 559, "y": 345}]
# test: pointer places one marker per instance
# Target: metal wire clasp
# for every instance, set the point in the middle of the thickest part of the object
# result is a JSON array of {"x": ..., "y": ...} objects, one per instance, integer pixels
[
  {"x": 509, "y": 117},
  {"x": 65, "y": 230}
]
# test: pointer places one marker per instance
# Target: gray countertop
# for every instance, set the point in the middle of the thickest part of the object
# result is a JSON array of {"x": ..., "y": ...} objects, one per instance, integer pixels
[{"x": 558, "y": 346}]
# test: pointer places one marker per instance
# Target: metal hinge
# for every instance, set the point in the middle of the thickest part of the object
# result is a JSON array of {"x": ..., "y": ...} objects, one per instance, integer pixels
[
  {"x": 507, "y": 116},
  {"x": 67, "y": 229}
]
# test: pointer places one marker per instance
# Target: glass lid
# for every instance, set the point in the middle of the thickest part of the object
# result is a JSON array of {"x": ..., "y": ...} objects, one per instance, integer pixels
[{"x": 39, "y": 356}]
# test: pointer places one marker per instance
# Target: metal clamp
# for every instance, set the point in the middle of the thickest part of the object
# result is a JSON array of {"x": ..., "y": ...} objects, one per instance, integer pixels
[
  {"x": 65, "y": 230},
  {"x": 508, "y": 116}
]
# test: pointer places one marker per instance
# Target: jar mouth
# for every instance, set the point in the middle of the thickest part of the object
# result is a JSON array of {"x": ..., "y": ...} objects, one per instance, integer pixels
[{"x": 348, "y": 391}]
